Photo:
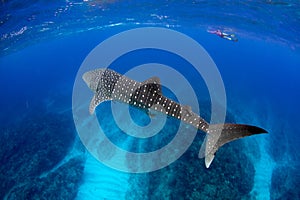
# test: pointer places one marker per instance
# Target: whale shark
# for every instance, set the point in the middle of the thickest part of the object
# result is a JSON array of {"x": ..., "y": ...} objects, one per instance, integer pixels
[{"x": 109, "y": 85}]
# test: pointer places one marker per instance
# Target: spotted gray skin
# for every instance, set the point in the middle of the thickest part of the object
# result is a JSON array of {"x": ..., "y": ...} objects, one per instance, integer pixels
[{"x": 110, "y": 85}]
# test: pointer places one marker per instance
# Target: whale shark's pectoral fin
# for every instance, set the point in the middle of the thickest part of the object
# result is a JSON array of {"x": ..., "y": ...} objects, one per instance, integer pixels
[
  {"x": 154, "y": 82},
  {"x": 96, "y": 100}
]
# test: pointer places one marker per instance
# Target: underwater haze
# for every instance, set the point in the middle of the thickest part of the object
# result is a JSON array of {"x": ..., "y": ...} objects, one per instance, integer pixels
[{"x": 43, "y": 45}]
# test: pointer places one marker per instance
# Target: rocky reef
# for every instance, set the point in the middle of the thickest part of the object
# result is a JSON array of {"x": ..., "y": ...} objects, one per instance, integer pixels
[
  {"x": 285, "y": 182},
  {"x": 32, "y": 155},
  {"x": 231, "y": 175}
]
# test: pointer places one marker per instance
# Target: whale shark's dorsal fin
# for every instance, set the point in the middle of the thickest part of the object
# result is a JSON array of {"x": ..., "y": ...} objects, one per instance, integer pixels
[
  {"x": 187, "y": 108},
  {"x": 96, "y": 100},
  {"x": 155, "y": 82}
]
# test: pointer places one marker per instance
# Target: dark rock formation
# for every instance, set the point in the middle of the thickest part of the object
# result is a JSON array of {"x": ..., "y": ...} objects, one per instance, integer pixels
[{"x": 32, "y": 149}]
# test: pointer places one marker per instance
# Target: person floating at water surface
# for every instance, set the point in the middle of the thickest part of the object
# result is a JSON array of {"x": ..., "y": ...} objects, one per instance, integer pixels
[{"x": 227, "y": 36}]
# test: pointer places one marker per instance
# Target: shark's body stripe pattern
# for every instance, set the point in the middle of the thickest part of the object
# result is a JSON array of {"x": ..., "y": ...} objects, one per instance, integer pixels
[
  {"x": 110, "y": 85},
  {"x": 146, "y": 96}
]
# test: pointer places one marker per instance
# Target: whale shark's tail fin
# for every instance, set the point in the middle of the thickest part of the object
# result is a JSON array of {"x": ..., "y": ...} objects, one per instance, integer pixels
[{"x": 220, "y": 134}]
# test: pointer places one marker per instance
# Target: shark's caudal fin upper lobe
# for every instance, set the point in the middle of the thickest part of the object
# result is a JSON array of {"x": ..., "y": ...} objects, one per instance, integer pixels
[{"x": 220, "y": 134}]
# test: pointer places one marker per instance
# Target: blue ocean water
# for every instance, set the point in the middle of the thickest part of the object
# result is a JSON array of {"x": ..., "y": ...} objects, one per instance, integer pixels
[{"x": 43, "y": 45}]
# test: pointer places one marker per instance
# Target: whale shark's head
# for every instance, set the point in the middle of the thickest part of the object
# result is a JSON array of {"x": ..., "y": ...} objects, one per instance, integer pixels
[{"x": 92, "y": 78}]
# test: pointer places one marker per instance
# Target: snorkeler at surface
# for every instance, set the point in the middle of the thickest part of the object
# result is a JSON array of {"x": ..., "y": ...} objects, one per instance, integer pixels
[{"x": 227, "y": 36}]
